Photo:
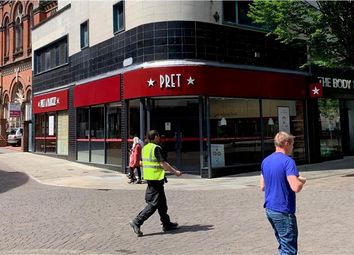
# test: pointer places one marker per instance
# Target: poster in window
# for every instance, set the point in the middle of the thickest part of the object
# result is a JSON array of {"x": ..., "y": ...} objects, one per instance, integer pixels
[
  {"x": 15, "y": 110},
  {"x": 217, "y": 155},
  {"x": 284, "y": 119},
  {"x": 51, "y": 125}
]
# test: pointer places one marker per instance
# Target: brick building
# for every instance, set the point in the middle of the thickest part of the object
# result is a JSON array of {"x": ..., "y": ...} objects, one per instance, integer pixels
[{"x": 17, "y": 19}]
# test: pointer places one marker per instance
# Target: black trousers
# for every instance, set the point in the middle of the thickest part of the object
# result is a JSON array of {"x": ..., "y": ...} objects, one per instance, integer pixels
[{"x": 156, "y": 200}]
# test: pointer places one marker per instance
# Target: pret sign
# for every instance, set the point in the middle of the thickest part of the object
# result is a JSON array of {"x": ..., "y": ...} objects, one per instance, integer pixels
[{"x": 171, "y": 81}]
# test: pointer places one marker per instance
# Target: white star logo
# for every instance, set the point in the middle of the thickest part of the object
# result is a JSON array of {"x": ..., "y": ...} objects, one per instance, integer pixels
[
  {"x": 150, "y": 82},
  {"x": 316, "y": 91},
  {"x": 190, "y": 80}
]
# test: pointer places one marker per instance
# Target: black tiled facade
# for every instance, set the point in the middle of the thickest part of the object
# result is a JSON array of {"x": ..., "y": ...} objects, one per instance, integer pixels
[{"x": 173, "y": 40}]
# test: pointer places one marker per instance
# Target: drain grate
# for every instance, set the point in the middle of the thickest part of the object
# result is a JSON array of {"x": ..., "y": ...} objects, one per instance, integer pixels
[{"x": 103, "y": 189}]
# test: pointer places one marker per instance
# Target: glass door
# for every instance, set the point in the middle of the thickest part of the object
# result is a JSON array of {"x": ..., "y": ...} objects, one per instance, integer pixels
[{"x": 177, "y": 121}]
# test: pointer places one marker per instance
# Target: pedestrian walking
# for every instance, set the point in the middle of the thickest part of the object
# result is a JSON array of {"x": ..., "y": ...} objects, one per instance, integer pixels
[
  {"x": 135, "y": 161},
  {"x": 280, "y": 180},
  {"x": 154, "y": 164}
]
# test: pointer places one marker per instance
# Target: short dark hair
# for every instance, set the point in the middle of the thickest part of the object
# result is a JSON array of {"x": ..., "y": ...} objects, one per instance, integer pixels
[{"x": 152, "y": 134}]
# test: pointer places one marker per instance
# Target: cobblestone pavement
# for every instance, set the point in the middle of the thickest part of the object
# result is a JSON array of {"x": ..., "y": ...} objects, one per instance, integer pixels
[{"x": 48, "y": 219}]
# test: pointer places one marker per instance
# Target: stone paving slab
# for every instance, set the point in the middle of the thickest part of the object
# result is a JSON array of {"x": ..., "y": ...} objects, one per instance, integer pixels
[{"x": 217, "y": 216}]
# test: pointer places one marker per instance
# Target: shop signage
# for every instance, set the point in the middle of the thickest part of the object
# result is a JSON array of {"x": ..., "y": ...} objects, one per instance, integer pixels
[
  {"x": 55, "y": 101},
  {"x": 336, "y": 83},
  {"x": 15, "y": 110},
  {"x": 173, "y": 80},
  {"x": 316, "y": 90},
  {"x": 211, "y": 81},
  {"x": 48, "y": 102}
]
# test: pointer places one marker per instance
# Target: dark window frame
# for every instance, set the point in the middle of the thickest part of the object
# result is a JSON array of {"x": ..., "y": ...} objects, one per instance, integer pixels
[
  {"x": 118, "y": 17},
  {"x": 84, "y": 29},
  {"x": 238, "y": 17},
  {"x": 57, "y": 54}
]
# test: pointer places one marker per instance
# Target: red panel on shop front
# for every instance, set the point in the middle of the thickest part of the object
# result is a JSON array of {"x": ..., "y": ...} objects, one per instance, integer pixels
[
  {"x": 97, "y": 92},
  {"x": 212, "y": 81},
  {"x": 51, "y": 102}
]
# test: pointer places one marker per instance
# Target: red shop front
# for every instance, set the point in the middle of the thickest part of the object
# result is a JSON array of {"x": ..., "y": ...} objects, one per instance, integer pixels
[
  {"x": 215, "y": 120},
  {"x": 51, "y": 122},
  {"x": 98, "y": 121}
]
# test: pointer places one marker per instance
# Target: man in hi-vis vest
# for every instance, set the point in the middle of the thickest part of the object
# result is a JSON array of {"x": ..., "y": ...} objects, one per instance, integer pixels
[{"x": 154, "y": 165}]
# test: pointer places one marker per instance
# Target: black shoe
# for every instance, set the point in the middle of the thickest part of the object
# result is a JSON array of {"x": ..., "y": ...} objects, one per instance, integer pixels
[
  {"x": 136, "y": 228},
  {"x": 170, "y": 226},
  {"x": 131, "y": 181},
  {"x": 138, "y": 182}
]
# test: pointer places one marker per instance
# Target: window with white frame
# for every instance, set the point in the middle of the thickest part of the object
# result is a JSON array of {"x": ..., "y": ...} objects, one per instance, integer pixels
[
  {"x": 118, "y": 17},
  {"x": 84, "y": 35}
]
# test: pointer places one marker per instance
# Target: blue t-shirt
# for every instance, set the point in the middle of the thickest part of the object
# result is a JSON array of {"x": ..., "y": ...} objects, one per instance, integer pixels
[{"x": 278, "y": 195}]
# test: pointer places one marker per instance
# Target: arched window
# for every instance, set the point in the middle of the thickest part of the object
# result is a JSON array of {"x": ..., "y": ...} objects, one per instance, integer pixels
[
  {"x": 30, "y": 24},
  {"x": 18, "y": 28},
  {"x": 17, "y": 93},
  {"x": 6, "y": 37},
  {"x": 6, "y": 107}
]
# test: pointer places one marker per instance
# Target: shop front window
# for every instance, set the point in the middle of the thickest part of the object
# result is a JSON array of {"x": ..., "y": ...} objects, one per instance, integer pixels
[
  {"x": 83, "y": 134},
  {"x": 235, "y": 131},
  {"x": 330, "y": 129},
  {"x": 51, "y": 136},
  {"x": 97, "y": 134},
  {"x": 177, "y": 121},
  {"x": 40, "y": 132},
  {"x": 46, "y": 132},
  {"x": 113, "y": 129},
  {"x": 288, "y": 116}
]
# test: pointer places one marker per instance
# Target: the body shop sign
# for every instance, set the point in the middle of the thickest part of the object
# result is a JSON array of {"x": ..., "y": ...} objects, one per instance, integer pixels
[
  {"x": 336, "y": 83},
  {"x": 56, "y": 101}
]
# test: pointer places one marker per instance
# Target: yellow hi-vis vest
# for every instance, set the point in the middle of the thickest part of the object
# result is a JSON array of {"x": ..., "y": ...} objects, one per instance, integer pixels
[{"x": 153, "y": 171}]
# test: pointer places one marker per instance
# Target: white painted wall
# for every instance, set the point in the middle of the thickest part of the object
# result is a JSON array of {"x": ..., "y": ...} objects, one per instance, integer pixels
[{"x": 100, "y": 17}]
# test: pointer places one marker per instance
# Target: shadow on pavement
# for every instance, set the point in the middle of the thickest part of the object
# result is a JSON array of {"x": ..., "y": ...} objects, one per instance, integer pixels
[
  {"x": 11, "y": 180},
  {"x": 185, "y": 228}
]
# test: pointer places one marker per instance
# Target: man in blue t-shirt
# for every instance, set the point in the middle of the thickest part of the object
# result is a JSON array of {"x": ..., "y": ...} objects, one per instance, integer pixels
[{"x": 280, "y": 180}]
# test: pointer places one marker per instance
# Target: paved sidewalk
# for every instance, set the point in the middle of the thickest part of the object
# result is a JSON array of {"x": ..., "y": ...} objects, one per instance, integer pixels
[
  {"x": 60, "y": 172},
  {"x": 217, "y": 216}
]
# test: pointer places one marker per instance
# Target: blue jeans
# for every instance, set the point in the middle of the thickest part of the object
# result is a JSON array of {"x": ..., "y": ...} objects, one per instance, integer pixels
[{"x": 285, "y": 228}]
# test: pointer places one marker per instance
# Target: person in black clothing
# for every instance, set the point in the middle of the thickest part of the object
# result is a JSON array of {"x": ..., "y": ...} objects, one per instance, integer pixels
[{"x": 154, "y": 165}]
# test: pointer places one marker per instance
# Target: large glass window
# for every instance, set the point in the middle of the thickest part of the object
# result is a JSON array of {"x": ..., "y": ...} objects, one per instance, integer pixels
[
  {"x": 51, "y": 56},
  {"x": 51, "y": 133},
  {"x": 284, "y": 115},
  {"x": 114, "y": 141},
  {"x": 235, "y": 127},
  {"x": 118, "y": 17},
  {"x": 83, "y": 134},
  {"x": 40, "y": 132},
  {"x": 99, "y": 134},
  {"x": 46, "y": 130},
  {"x": 177, "y": 120},
  {"x": 330, "y": 129},
  {"x": 235, "y": 131}
]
